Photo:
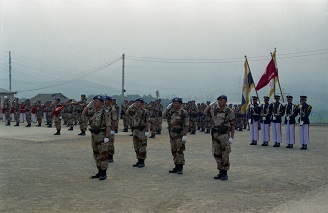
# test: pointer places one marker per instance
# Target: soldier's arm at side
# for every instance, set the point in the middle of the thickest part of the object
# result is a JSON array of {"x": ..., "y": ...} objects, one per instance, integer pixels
[
  {"x": 207, "y": 110},
  {"x": 85, "y": 111},
  {"x": 165, "y": 113}
]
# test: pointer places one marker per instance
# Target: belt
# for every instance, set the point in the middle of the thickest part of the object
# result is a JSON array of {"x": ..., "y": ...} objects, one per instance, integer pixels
[
  {"x": 96, "y": 131},
  {"x": 178, "y": 131},
  {"x": 220, "y": 130},
  {"x": 140, "y": 128}
]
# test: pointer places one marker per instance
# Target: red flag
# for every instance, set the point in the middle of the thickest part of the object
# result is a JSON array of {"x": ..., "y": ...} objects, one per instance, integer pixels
[
  {"x": 57, "y": 110},
  {"x": 270, "y": 73}
]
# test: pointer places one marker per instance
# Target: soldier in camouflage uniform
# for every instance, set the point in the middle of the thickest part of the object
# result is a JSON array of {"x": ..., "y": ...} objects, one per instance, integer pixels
[
  {"x": 178, "y": 124},
  {"x": 140, "y": 126},
  {"x": 117, "y": 108},
  {"x": 57, "y": 116},
  {"x": 208, "y": 120},
  {"x": 152, "y": 113},
  {"x": 28, "y": 109},
  {"x": 159, "y": 115},
  {"x": 100, "y": 124},
  {"x": 16, "y": 111},
  {"x": 222, "y": 134},
  {"x": 111, "y": 110},
  {"x": 50, "y": 109},
  {"x": 70, "y": 111},
  {"x": 125, "y": 117},
  {"x": 83, "y": 121},
  {"x": 39, "y": 112},
  {"x": 193, "y": 117},
  {"x": 7, "y": 107}
]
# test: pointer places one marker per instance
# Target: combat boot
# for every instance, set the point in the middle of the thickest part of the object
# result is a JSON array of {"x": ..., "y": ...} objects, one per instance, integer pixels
[
  {"x": 193, "y": 132},
  {"x": 17, "y": 124},
  {"x": 70, "y": 129},
  {"x": 28, "y": 125},
  {"x": 252, "y": 143},
  {"x": 152, "y": 135},
  {"x": 291, "y": 146},
  {"x": 137, "y": 164},
  {"x": 82, "y": 133},
  {"x": 142, "y": 163},
  {"x": 8, "y": 123},
  {"x": 207, "y": 131},
  {"x": 39, "y": 125},
  {"x": 50, "y": 126},
  {"x": 125, "y": 130},
  {"x": 202, "y": 130},
  {"x": 116, "y": 131},
  {"x": 174, "y": 170},
  {"x": 198, "y": 128},
  {"x": 110, "y": 159},
  {"x": 278, "y": 145},
  {"x": 255, "y": 142},
  {"x": 224, "y": 175},
  {"x": 57, "y": 133},
  {"x": 159, "y": 132},
  {"x": 103, "y": 175},
  {"x": 180, "y": 169},
  {"x": 218, "y": 177},
  {"x": 275, "y": 144},
  {"x": 96, "y": 175}
]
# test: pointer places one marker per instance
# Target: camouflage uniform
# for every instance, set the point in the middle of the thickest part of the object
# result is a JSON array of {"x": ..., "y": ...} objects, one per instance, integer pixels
[
  {"x": 223, "y": 120},
  {"x": 83, "y": 120},
  {"x": 117, "y": 109},
  {"x": 28, "y": 113},
  {"x": 193, "y": 117},
  {"x": 159, "y": 114},
  {"x": 111, "y": 111},
  {"x": 7, "y": 108},
  {"x": 70, "y": 113},
  {"x": 152, "y": 113},
  {"x": 39, "y": 112},
  {"x": 125, "y": 117},
  {"x": 51, "y": 107},
  {"x": 16, "y": 112}
]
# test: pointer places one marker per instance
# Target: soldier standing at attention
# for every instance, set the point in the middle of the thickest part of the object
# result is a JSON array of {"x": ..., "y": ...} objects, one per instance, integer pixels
[
  {"x": 83, "y": 121},
  {"x": 304, "y": 110},
  {"x": 193, "y": 116},
  {"x": 277, "y": 111},
  {"x": 222, "y": 134},
  {"x": 265, "y": 121},
  {"x": 178, "y": 124},
  {"x": 39, "y": 112},
  {"x": 253, "y": 116},
  {"x": 70, "y": 111},
  {"x": 57, "y": 115},
  {"x": 7, "y": 108},
  {"x": 290, "y": 113},
  {"x": 28, "y": 109},
  {"x": 100, "y": 129},
  {"x": 111, "y": 111},
  {"x": 159, "y": 115},
  {"x": 117, "y": 108},
  {"x": 125, "y": 117},
  {"x": 16, "y": 111},
  {"x": 152, "y": 114},
  {"x": 140, "y": 128}
]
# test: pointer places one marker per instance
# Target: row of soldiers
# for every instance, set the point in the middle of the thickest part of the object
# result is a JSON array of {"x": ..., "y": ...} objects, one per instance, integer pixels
[{"x": 272, "y": 115}]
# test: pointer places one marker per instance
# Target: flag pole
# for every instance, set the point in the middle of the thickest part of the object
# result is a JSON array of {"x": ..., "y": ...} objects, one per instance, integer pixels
[
  {"x": 252, "y": 79},
  {"x": 274, "y": 59}
]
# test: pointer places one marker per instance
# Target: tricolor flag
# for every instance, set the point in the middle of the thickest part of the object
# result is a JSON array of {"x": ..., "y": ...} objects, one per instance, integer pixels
[
  {"x": 270, "y": 73},
  {"x": 247, "y": 87}
]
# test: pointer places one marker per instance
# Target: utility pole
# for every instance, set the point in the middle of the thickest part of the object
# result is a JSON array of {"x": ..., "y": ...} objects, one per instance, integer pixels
[
  {"x": 9, "y": 71},
  {"x": 123, "y": 90}
]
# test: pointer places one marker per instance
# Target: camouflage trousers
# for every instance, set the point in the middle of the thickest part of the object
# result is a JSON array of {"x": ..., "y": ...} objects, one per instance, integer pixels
[
  {"x": 221, "y": 149},
  {"x": 39, "y": 118},
  {"x": 65, "y": 117},
  {"x": 57, "y": 123},
  {"x": 100, "y": 150},
  {"x": 16, "y": 115},
  {"x": 193, "y": 124},
  {"x": 7, "y": 115},
  {"x": 49, "y": 118},
  {"x": 111, "y": 148},
  {"x": 83, "y": 122},
  {"x": 177, "y": 148},
  {"x": 70, "y": 120},
  {"x": 159, "y": 123},
  {"x": 153, "y": 125},
  {"x": 140, "y": 144},
  {"x": 125, "y": 121},
  {"x": 28, "y": 117}
]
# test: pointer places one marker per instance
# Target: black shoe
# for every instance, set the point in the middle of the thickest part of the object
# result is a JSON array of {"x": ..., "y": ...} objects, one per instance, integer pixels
[
  {"x": 291, "y": 146},
  {"x": 207, "y": 131},
  {"x": 28, "y": 125},
  {"x": 50, "y": 126},
  {"x": 266, "y": 143},
  {"x": 116, "y": 131},
  {"x": 174, "y": 170},
  {"x": 103, "y": 175},
  {"x": 275, "y": 144},
  {"x": 218, "y": 177},
  {"x": 263, "y": 144},
  {"x": 82, "y": 133},
  {"x": 137, "y": 164},
  {"x": 278, "y": 145},
  {"x": 70, "y": 129},
  {"x": 202, "y": 130},
  {"x": 193, "y": 132},
  {"x": 96, "y": 175},
  {"x": 131, "y": 134},
  {"x": 288, "y": 146},
  {"x": 152, "y": 135},
  {"x": 224, "y": 175},
  {"x": 304, "y": 147},
  {"x": 57, "y": 133},
  {"x": 39, "y": 125},
  {"x": 198, "y": 128},
  {"x": 8, "y": 123},
  {"x": 125, "y": 130},
  {"x": 110, "y": 159},
  {"x": 17, "y": 124},
  {"x": 142, "y": 163},
  {"x": 180, "y": 169},
  {"x": 159, "y": 132}
]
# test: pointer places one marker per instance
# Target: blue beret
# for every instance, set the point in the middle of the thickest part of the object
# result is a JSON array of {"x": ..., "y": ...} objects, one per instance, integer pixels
[
  {"x": 99, "y": 97},
  {"x": 140, "y": 99},
  {"x": 57, "y": 99},
  {"x": 83, "y": 95},
  {"x": 176, "y": 99},
  {"x": 222, "y": 97},
  {"x": 114, "y": 99},
  {"x": 108, "y": 98}
]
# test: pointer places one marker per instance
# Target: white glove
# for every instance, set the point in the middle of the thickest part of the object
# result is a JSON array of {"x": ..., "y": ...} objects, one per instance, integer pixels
[
  {"x": 106, "y": 140},
  {"x": 214, "y": 102},
  {"x": 169, "y": 106},
  {"x": 274, "y": 118},
  {"x": 184, "y": 138},
  {"x": 230, "y": 140},
  {"x": 133, "y": 105},
  {"x": 60, "y": 117},
  {"x": 89, "y": 104},
  {"x": 146, "y": 133},
  {"x": 301, "y": 123},
  {"x": 283, "y": 104},
  {"x": 249, "y": 121},
  {"x": 112, "y": 132},
  {"x": 287, "y": 118},
  {"x": 260, "y": 105},
  {"x": 264, "y": 118},
  {"x": 274, "y": 101},
  {"x": 252, "y": 106}
]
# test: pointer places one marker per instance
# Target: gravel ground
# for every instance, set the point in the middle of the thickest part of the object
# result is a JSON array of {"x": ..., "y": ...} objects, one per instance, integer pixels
[{"x": 41, "y": 172}]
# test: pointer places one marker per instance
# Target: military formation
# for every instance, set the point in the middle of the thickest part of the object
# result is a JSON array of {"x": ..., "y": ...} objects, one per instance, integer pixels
[{"x": 144, "y": 120}]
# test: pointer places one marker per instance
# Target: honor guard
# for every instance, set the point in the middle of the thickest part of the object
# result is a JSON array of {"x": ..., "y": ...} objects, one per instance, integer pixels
[
  {"x": 253, "y": 117},
  {"x": 290, "y": 114},
  {"x": 304, "y": 111},
  {"x": 277, "y": 111},
  {"x": 265, "y": 121}
]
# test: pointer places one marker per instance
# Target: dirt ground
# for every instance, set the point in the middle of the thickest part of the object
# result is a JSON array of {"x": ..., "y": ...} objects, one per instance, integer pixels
[{"x": 41, "y": 172}]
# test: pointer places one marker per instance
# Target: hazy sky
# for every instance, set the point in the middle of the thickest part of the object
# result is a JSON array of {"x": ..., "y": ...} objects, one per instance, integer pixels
[{"x": 189, "y": 48}]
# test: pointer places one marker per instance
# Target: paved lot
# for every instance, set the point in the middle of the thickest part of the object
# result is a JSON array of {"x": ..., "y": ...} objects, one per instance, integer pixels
[{"x": 41, "y": 172}]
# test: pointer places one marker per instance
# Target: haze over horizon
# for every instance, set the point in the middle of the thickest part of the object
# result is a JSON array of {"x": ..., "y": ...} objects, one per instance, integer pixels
[{"x": 186, "y": 48}]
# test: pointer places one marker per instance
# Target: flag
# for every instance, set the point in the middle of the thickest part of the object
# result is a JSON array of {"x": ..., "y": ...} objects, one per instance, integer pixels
[
  {"x": 270, "y": 73},
  {"x": 57, "y": 110},
  {"x": 247, "y": 87},
  {"x": 273, "y": 81}
]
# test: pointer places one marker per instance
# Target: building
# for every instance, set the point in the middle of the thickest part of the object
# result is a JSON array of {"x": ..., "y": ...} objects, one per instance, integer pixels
[
  {"x": 7, "y": 93},
  {"x": 49, "y": 97}
]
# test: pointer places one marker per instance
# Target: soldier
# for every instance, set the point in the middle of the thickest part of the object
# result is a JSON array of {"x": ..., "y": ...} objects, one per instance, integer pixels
[
  {"x": 265, "y": 121},
  {"x": 100, "y": 129},
  {"x": 208, "y": 120},
  {"x": 159, "y": 115},
  {"x": 16, "y": 111},
  {"x": 22, "y": 113},
  {"x": 28, "y": 109},
  {"x": 70, "y": 114},
  {"x": 33, "y": 112},
  {"x": 304, "y": 110},
  {"x": 51, "y": 107},
  {"x": 223, "y": 132},
  {"x": 117, "y": 108},
  {"x": 290, "y": 113},
  {"x": 7, "y": 108},
  {"x": 152, "y": 114},
  {"x": 125, "y": 117},
  {"x": 140, "y": 126},
  {"x": 178, "y": 124},
  {"x": 56, "y": 114},
  {"x": 111, "y": 111},
  {"x": 277, "y": 111},
  {"x": 253, "y": 116},
  {"x": 193, "y": 116},
  {"x": 83, "y": 121},
  {"x": 39, "y": 112}
]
